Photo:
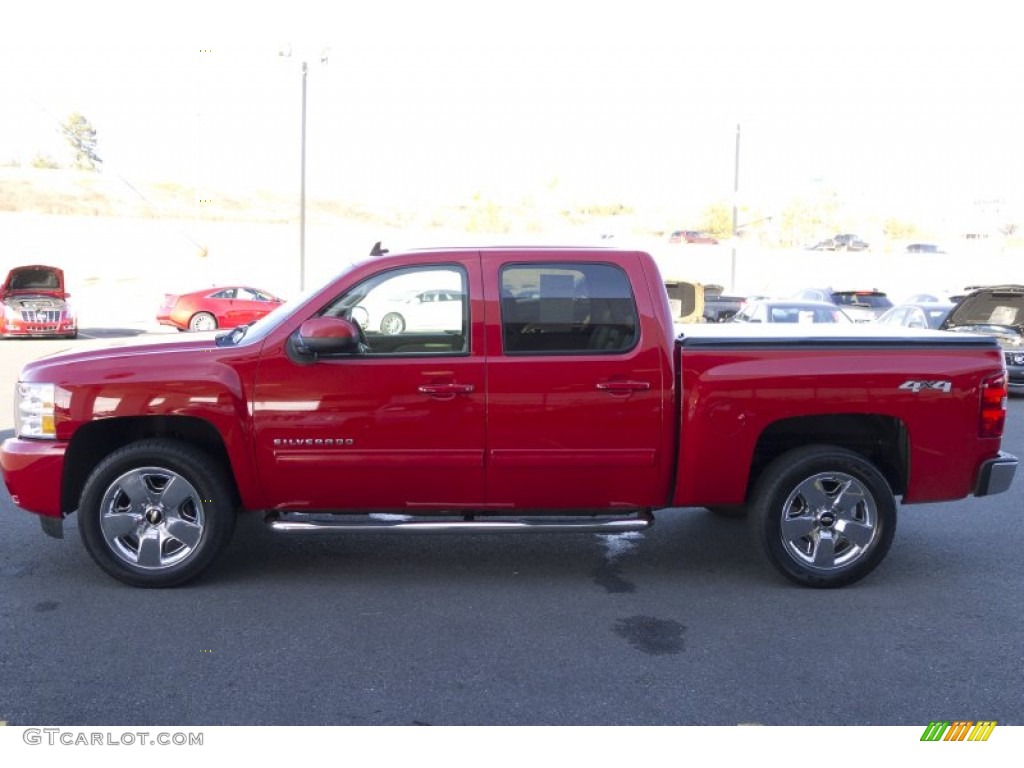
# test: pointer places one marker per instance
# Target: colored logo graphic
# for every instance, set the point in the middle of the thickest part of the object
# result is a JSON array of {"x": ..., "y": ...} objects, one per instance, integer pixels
[{"x": 959, "y": 730}]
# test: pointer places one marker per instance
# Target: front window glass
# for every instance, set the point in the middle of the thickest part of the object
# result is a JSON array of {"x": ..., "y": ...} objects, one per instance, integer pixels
[{"x": 420, "y": 310}]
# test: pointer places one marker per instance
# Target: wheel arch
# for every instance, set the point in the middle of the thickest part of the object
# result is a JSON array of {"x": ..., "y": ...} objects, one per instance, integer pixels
[
  {"x": 94, "y": 441},
  {"x": 883, "y": 440}
]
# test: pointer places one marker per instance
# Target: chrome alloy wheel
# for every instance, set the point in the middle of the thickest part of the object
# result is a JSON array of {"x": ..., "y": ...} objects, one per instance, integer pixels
[
  {"x": 152, "y": 518},
  {"x": 829, "y": 521},
  {"x": 203, "y": 321}
]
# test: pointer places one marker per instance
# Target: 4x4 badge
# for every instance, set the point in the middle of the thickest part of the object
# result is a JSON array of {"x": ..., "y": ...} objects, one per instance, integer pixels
[{"x": 918, "y": 386}]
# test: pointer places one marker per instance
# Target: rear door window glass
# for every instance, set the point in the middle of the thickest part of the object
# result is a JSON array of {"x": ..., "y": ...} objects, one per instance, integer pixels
[{"x": 567, "y": 309}]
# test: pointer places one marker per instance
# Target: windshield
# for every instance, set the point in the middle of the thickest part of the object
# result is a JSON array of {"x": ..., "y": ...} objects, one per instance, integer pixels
[
  {"x": 34, "y": 280},
  {"x": 875, "y": 300},
  {"x": 260, "y": 329},
  {"x": 998, "y": 308}
]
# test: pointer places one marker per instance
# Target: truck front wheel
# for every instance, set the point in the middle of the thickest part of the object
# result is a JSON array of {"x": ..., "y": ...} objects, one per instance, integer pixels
[
  {"x": 156, "y": 513},
  {"x": 824, "y": 516}
]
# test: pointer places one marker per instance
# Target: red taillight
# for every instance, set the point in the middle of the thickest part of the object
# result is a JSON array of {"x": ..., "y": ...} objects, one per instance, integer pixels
[{"x": 992, "y": 417}]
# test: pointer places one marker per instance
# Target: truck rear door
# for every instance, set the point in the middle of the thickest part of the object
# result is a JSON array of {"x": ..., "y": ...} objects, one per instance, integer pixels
[{"x": 576, "y": 384}]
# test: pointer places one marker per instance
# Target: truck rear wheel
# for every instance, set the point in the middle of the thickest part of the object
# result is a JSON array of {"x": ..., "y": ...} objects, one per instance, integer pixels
[
  {"x": 824, "y": 516},
  {"x": 156, "y": 513}
]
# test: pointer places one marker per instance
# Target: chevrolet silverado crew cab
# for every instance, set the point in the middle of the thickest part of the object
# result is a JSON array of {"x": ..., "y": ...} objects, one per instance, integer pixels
[{"x": 547, "y": 391}]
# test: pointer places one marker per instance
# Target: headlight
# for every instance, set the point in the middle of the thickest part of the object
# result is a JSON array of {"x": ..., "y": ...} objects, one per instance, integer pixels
[
  {"x": 1015, "y": 358},
  {"x": 34, "y": 410}
]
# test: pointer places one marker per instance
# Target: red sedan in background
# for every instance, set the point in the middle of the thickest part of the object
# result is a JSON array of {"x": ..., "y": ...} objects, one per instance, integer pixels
[{"x": 224, "y": 307}]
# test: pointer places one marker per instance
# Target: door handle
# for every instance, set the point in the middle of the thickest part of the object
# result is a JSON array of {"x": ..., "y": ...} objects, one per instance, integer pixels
[
  {"x": 623, "y": 387},
  {"x": 446, "y": 389}
]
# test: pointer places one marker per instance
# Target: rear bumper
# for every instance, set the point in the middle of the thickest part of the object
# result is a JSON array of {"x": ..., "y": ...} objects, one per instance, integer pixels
[
  {"x": 32, "y": 471},
  {"x": 996, "y": 475},
  {"x": 167, "y": 319}
]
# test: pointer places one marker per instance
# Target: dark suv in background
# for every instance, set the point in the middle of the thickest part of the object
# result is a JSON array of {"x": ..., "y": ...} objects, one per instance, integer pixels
[{"x": 997, "y": 311}]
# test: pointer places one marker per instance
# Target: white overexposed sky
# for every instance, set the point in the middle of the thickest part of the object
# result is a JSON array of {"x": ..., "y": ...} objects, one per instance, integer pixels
[{"x": 916, "y": 102}]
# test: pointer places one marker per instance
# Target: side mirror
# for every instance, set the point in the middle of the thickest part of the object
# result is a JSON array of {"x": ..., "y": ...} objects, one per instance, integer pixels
[{"x": 325, "y": 336}]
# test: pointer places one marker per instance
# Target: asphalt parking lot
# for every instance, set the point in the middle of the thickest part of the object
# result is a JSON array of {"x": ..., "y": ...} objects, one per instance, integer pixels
[{"x": 681, "y": 624}]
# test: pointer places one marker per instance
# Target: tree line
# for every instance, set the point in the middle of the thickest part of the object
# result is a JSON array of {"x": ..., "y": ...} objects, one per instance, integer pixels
[{"x": 82, "y": 141}]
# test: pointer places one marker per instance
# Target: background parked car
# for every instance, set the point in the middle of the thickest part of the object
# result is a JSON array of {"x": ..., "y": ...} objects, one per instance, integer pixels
[
  {"x": 692, "y": 236},
  {"x": 432, "y": 310},
  {"x": 930, "y": 297},
  {"x": 861, "y": 306},
  {"x": 995, "y": 311},
  {"x": 33, "y": 302},
  {"x": 922, "y": 314},
  {"x": 790, "y": 311},
  {"x": 849, "y": 242},
  {"x": 924, "y": 248},
  {"x": 718, "y": 307},
  {"x": 840, "y": 242},
  {"x": 212, "y": 308}
]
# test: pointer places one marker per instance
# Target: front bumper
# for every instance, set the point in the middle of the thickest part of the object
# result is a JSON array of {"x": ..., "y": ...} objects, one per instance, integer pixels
[
  {"x": 1015, "y": 380},
  {"x": 38, "y": 330},
  {"x": 996, "y": 475},
  {"x": 32, "y": 471}
]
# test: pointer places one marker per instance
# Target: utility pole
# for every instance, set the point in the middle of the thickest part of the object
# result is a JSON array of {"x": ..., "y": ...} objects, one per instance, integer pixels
[
  {"x": 302, "y": 189},
  {"x": 735, "y": 196},
  {"x": 286, "y": 52}
]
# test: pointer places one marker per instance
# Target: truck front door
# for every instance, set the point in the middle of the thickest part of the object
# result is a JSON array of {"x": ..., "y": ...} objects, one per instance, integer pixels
[{"x": 399, "y": 426}]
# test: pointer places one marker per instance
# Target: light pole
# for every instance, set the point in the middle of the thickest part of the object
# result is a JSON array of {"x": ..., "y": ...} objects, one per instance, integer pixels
[
  {"x": 302, "y": 188},
  {"x": 286, "y": 52},
  {"x": 735, "y": 195}
]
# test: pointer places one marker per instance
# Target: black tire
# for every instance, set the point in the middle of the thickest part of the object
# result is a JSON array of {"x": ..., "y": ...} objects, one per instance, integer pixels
[
  {"x": 140, "y": 535},
  {"x": 731, "y": 511},
  {"x": 202, "y": 321},
  {"x": 392, "y": 323},
  {"x": 823, "y": 516}
]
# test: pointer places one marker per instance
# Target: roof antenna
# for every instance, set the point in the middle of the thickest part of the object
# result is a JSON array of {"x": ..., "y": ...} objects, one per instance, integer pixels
[{"x": 377, "y": 250}]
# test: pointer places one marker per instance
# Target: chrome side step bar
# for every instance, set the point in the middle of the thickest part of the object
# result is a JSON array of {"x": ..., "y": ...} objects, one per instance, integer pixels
[{"x": 310, "y": 522}]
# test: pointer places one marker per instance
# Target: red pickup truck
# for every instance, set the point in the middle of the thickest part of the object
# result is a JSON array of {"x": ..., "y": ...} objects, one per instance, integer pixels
[{"x": 526, "y": 389}]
